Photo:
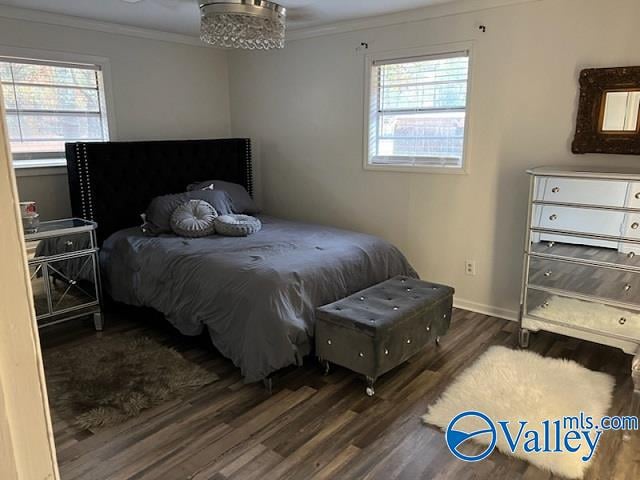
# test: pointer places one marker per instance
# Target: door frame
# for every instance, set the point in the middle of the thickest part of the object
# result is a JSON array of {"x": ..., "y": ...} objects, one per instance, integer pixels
[{"x": 27, "y": 448}]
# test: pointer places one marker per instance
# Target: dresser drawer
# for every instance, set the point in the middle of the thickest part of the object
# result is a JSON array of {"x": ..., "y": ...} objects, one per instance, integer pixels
[
  {"x": 626, "y": 254},
  {"x": 584, "y": 220},
  {"x": 608, "y": 193},
  {"x": 633, "y": 195},
  {"x": 594, "y": 317},
  {"x": 617, "y": 285}
]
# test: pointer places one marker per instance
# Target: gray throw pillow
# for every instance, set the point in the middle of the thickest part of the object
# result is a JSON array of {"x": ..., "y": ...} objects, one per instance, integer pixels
[
  {"x": 237, "y": 225},
  {"x": 157, "y": 218},
  {"x": 241, "y": 199},
  {"x": 219, "y": 199},
  {"x": 194, "y": 219}
]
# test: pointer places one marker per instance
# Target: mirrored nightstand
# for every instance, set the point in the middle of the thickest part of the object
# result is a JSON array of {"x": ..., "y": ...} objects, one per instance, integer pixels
[{"x": 65, "y": 271}]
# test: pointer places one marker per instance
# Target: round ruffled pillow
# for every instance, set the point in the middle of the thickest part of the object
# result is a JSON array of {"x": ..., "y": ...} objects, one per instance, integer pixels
[
  {"x": 194, "y": 219},
  {"x": 237, "y": 225}
]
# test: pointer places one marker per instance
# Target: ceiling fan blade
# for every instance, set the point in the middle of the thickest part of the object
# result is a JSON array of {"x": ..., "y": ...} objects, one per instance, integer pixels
[
  {"x": 172, "y": 4},
  {"x": 300, "y": 14}
]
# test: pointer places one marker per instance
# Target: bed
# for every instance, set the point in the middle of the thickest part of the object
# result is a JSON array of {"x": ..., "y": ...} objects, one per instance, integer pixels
[{"x": 256, "y": 295}]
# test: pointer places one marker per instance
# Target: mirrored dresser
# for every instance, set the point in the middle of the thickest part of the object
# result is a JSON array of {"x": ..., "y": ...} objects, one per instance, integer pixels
[
  {"x": 582, "y": 257},
  {"x": 65, "y": 271}
]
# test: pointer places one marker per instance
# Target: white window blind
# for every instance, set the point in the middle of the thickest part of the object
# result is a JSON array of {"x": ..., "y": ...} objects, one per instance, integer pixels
[
  {"x": 49, "y": 104},
  {"x": 417, "y": 111}
]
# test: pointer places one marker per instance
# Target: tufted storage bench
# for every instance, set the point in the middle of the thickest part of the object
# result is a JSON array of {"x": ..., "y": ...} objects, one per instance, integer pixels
[{"x": 377, "y": 329}]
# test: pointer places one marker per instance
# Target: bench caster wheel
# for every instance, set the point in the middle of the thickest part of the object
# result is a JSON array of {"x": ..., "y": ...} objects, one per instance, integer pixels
[
  {"x": 523, "y": 338},
  {"x": 369, "y": 390}
]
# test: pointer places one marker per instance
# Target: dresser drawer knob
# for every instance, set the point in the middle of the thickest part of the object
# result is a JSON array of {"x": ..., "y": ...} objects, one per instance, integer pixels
[
  {"x": 555, "y": 189},
  {"x": 631, "y": 254},
  {"x": 545, "y": 304},
  {"x": 548, "y": 273},
  {"x": 428, "y": 328},
  {"x": 638, "y": 195},
  {"x": 622, "y": 321},
  {"x": 635, "y": 225},
  {"x": 552, "y": 244},
  {"x": 555, "y": 217},
  {"x": 69, "y": 243},
  {"x": 627, "y": 287},
  {"x": 361, "y": 355}
]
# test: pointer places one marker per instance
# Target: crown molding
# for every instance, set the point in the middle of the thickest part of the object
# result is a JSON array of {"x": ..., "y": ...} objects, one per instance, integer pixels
[
  {"x": 47, "y": 18},
  {"x": 409, "y": 16}
]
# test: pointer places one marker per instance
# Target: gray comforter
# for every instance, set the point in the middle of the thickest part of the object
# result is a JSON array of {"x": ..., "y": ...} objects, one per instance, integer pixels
[{"x": 256, "y": 295}]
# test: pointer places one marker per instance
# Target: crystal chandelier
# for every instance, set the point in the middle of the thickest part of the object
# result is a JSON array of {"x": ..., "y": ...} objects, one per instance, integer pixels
[{"x": 248, "y": 24}]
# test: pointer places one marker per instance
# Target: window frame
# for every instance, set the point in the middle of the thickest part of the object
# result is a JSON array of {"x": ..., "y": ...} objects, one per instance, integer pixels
[
  {"x": 408, "y": 54},
  {"x": 70, "y": 58}
]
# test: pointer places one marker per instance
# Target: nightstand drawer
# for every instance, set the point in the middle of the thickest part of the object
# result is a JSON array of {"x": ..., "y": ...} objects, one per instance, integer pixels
[{"x": 48, "y": 247}]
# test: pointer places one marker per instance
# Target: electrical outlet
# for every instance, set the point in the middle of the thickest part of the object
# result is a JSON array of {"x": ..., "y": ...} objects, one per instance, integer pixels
[{"x": 470, "y": 267}]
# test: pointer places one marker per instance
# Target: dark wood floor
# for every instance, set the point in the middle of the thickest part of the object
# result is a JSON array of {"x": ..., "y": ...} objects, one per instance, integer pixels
[{"x": 315, "y": 427}]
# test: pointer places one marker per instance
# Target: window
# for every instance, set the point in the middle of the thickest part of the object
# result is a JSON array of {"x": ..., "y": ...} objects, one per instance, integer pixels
[
  {"x": 49, "y": 104},
  {"x": 417, "y": 112}
]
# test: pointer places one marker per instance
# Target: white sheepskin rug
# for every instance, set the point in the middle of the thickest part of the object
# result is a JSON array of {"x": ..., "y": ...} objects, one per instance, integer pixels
[
  {"x": 517, "y": 385},
  {"x": 592, "y": 315}
]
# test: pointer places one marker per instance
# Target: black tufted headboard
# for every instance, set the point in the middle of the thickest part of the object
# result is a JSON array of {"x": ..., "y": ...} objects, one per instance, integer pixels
[{"x": 112, "y": 183}]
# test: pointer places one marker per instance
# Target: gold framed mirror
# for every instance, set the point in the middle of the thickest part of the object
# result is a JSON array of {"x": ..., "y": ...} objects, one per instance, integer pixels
[{"x": 609, "y": 111}]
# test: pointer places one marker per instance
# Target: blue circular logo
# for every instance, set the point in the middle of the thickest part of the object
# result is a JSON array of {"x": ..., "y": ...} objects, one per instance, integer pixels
[{"x": 456, "y": 438}]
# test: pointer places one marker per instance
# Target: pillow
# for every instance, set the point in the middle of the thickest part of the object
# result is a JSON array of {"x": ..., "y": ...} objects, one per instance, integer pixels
[
  {"x": 219, "y": 199},
  {"x": 157, "y": 218},
  {"x": 194, "y": 219},
  {"x": 237, "y": 225},
  {"x": 241, "y": 199}
]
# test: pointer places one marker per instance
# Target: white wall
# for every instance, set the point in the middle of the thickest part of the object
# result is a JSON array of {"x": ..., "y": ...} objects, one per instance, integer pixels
[
  {"x": 161, "y": 90},
  {"x": 303, "y": 108}
]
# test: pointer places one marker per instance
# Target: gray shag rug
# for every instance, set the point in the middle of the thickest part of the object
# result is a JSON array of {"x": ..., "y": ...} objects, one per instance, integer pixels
[{"x": 114, "y": 378}]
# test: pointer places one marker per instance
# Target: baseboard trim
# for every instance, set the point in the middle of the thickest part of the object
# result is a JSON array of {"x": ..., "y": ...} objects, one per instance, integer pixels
[{"x": 485, "y": 309}]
